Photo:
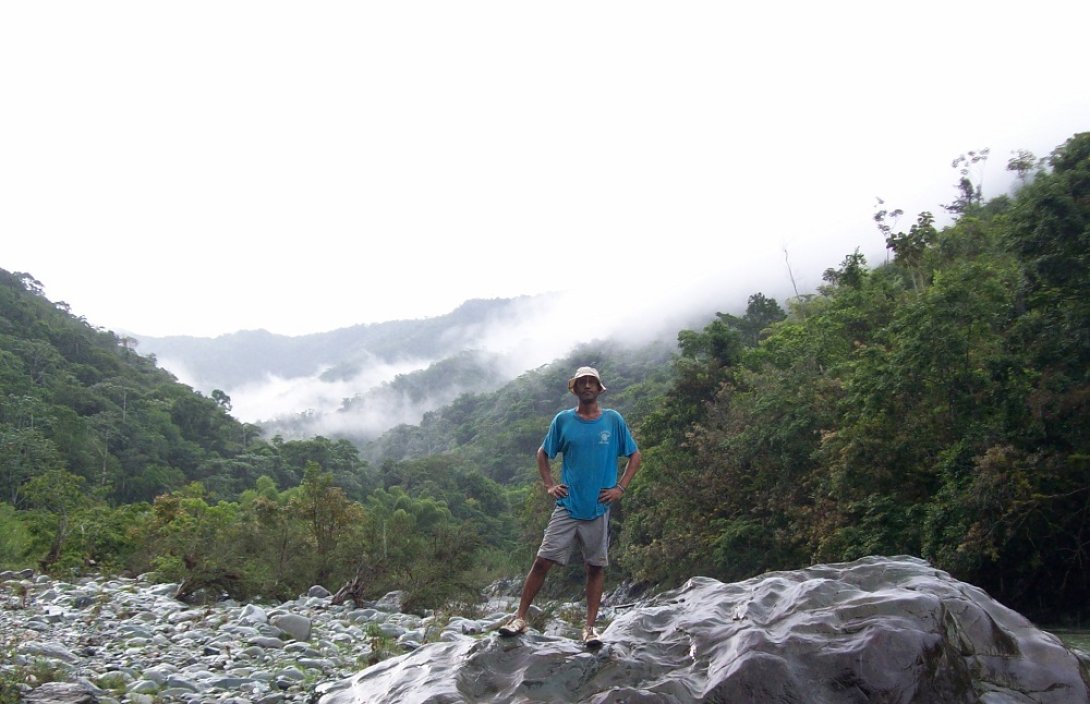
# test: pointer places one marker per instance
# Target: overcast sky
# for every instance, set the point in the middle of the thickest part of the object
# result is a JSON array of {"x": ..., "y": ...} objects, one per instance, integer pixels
[{"x": 204, "y": 167}]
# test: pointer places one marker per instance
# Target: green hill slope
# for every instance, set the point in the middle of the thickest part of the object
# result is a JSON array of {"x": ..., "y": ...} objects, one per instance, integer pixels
[{"x": 78, "y": 397}]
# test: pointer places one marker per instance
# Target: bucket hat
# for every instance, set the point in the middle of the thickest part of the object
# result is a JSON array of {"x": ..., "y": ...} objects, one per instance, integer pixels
[{"x": 582, "y": 372}]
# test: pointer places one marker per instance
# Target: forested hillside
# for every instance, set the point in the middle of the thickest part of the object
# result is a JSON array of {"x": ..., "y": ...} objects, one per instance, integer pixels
[
  {"x": 933, "y": 404},
  {"x": 936, "y": 405},
  {"x": 80, "y": 398},
  {"x": 499, "y": 432}
]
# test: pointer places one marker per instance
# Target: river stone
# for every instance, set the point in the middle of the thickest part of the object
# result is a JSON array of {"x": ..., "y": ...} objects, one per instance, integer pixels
[
  {"x": 145, "y": 687},
  {"x": 874, "y": 630},
  {"x": 60, "y": 693},
  {"x": 391, "y": 601},
  {"x": 291, "y": 673},
  {"x": 254, "y": 613},
  {"x": 298, "y": 648},
  {"x": 188, "y": 615},
  {"x": 268, "y": 642},
  {"x": 48, "y": 650},
  {"x": 159, "y": 674},
  {"x": 167, "y": 589},
  {"x": 231, "y": 682},
  {"x": 296, "y": 626},
  {"x": 176, "y": 682}
]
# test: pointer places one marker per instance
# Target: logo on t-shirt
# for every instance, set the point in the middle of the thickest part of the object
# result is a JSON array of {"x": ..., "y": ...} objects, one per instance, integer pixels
[{"x": 603, "y": 437}]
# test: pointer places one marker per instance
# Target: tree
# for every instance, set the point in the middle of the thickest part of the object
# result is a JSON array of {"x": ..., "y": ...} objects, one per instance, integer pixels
[
  {"x": 970, "y": 193},
  {"x": 56, "y": 495},
  {"x": 221, "y": 398},
  {"x": 761, "y": 313},
  {"x": 909, "y": 249},
  {"x": 329, "y": 517},
  {"x": 850, "y": 273},
  {"x": 1022, "y": 163},
  {"x": 24, "y": 453},
  {"x": 196, "y": 543}
]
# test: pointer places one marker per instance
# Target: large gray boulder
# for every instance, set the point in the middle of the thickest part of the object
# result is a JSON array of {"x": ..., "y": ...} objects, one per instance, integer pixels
[{"x": 878, "y": 629}]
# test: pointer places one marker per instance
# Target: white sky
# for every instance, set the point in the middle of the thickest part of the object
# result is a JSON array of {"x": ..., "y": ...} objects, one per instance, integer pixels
[{"x": 202, "y": 167}]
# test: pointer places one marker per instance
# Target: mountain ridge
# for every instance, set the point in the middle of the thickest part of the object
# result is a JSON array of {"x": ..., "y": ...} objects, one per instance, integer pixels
[
  {"x": 208, "y": 358},
  {"x": 363, "y": 380}
]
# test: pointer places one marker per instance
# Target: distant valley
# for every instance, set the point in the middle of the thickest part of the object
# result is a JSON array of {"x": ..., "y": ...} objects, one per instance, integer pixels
[{"x": 360, "y": 381}]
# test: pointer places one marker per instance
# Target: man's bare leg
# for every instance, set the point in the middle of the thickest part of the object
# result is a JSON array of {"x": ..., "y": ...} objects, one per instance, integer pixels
[
  {"x": 534, "y": 581},
  {"x": 596, "y": 579}
]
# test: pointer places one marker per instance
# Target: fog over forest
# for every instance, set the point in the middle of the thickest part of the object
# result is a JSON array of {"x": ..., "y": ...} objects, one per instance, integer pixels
[
  {"x": 539, "y": 330},
  {"x": 354, "y": 395}
]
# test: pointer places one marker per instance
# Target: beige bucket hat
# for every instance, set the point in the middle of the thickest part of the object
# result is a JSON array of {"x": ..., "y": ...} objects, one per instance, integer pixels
[{"x": 582, "y": 372}]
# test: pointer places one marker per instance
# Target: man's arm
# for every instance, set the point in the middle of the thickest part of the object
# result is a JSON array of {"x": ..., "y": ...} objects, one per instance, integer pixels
[
  {"x": 630, "y": 470},
  {"x": 557, "y": 491},
  {"x": 613, "y": 493}
]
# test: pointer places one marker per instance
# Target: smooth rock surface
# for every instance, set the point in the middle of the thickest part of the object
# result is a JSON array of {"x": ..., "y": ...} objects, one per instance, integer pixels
[{"x": 890, "y": 630}]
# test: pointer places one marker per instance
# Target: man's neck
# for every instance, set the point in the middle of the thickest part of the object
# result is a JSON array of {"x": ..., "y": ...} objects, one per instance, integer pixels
[{"x": 588, "y": 410}]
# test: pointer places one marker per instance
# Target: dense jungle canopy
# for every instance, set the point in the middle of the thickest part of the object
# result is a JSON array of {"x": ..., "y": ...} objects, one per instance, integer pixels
[{"x": 934, "y": 404}]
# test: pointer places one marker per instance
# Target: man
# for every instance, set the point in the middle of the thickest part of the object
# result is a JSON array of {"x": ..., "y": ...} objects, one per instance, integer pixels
[{"x": 591, "y": 439}]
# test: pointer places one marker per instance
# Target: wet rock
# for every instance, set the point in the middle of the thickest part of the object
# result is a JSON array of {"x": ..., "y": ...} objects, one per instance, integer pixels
[{"x": 873, "y": 630}]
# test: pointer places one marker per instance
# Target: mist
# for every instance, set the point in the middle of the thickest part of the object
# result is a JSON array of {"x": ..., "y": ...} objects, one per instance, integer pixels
[
  {"x": 535, "y": 331},
  {"x": 630, "y": 306}
]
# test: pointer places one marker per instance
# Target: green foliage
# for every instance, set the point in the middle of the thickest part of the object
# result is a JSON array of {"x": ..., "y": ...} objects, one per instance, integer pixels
[
  {"x": 57, "y": 500},
  {"x": 80, "y": 399},
  {"x": 15, "y": 539},
  {"x": 935, "y": 406},
  {"x": 196, "y": 543},
  {"x": 340, "y": 458},
  {"x": 381, "y": 646},
  {"x": 331, "y": 522}
]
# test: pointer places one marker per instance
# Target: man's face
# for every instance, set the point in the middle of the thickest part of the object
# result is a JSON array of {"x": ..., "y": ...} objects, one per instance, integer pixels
[{"x": 587, "y": 388}]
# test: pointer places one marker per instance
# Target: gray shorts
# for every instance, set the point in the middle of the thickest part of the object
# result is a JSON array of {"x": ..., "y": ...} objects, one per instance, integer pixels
[{"x": 564, "y": 534}]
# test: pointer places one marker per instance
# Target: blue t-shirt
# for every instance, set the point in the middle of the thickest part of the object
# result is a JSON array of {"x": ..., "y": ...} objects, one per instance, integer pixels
[{"x": 590, "y": 449}]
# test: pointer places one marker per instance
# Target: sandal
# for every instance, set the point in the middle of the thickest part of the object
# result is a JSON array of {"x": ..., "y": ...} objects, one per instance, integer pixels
[
  {"x": 591, "y": 637},
  {"x": 513, "y": 627}
]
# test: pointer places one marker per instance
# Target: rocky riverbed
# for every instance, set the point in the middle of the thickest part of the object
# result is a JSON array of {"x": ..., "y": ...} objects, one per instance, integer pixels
[
  {"x": 874, "y": 630},
  {"x": 130, "y": 641}
]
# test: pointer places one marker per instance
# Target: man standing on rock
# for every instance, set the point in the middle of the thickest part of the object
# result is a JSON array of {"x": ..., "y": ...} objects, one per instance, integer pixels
[{"x": 591, "y": 439}]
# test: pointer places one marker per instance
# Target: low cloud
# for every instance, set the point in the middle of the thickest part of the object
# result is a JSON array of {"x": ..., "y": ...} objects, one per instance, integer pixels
[
  {"x": 532, "y": 331},
  {"x": 277, "y": 397}
]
